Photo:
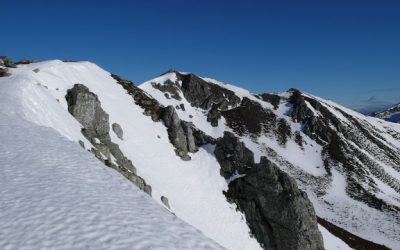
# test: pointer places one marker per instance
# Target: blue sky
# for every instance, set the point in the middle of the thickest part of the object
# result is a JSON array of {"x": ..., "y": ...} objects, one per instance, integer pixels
[{"x": 347, "y": 51}]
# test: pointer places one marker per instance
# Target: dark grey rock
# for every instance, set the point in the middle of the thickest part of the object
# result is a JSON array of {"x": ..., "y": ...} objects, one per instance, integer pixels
[
  {"x": 280, "y": 216},
  {"x": 175, "y": 130},
  {"x": 118, "y": 130},
  {"x": 203, "y": 94},
  {"x": 164, "y": 200},
  {"x": 232, "y": 155},
  {"x": 36, "y": 70},
  {"x": 213, "y": 116},
  {"x": 250, "y": 118},
  {"x": 85, "y": 107},
  {"x": 81, "y": 143}
]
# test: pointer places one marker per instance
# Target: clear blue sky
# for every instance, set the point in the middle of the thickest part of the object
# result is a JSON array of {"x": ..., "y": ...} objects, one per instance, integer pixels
[{"x": 347, "y": 51}]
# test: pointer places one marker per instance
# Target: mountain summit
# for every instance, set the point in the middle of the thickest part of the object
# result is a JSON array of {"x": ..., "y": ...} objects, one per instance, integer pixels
[{"x": 250, "y": 171}]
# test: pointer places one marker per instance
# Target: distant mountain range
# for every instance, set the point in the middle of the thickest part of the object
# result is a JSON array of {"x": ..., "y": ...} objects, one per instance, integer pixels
[{"x": 391, "y": 113}]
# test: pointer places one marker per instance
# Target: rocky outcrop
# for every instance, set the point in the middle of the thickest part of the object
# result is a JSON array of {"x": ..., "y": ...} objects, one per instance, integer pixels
[
  {"x": 86, "y": 108},
  {"x": 271, "y": 98},
  {"x": 280, "y": 216},
  {"x": 118, "y": 130},
  {"x": 243, "y": 120},
  {"x": 233, "y": 156},
  {"x": 182, "y": 134},
  {"x": 150, "y": 105},
  {"x": 203, "y": 94},
  {"x": 169, "y": 87}
]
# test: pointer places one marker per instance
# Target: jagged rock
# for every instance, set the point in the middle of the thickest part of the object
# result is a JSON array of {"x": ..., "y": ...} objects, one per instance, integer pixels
[
  {"x": 232, "y": 155},
  {"x": 204, "y": 94},
  {"x": 242, "y": 119},
  {"x": 279, "y": 215},
  {"x": 164, "y": 200},
  {"x": 191, "y": 143},
  {"x": 183, "y": 135},
  {"x": 284, "y": 131},
  {"x": 150, "y": 105},
  {"x": 182, "y": 106},
  {"x": 176, "y": 132},
  {"x": 118, "y": 130},
  {"x": 86, "y": 108},
  {"x": 271, "y": 98}
]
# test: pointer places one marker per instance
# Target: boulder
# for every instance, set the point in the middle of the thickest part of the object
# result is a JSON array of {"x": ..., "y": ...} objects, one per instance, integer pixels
[
  {"x": 118, "y": 130},
  {"x": 86, "y": 108}
]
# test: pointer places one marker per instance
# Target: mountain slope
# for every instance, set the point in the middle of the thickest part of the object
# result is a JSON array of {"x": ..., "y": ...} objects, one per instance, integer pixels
[
  {"x": 341, "y": 158},
  {"x": 204, "y": 150},
  {"x": 55, "y": 195}
]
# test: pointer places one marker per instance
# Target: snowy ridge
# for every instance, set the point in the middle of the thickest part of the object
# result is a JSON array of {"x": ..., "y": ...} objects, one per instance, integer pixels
[{"x": 330, "y": 184}]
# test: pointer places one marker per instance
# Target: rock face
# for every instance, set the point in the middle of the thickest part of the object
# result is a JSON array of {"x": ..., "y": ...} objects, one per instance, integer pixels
[
  {"x": 203, "y": 94},
  {"x": 279, "y": 214},
  {"x": 243, "y": 121},
  {"x": 233, "y": 156},
  {"x": 86, "y": 108}
]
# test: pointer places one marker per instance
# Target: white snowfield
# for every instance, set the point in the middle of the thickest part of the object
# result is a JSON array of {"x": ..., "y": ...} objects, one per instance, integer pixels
[{"x": 54, "y": 194}]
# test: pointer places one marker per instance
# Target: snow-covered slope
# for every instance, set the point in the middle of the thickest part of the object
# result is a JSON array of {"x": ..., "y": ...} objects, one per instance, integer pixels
[
  {"x": 193, "y": 188},
  {"x": 54, "y": 195},
  {"x": 346, "y": 162},
  {"x": 274, "y": 126}
]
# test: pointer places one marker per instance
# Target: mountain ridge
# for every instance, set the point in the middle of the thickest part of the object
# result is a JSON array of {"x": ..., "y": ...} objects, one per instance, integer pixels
[{"x": 311, "y": 139}]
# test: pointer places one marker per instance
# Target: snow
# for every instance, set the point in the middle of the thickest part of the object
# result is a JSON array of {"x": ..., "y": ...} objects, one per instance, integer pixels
[
  {"x": 186, "y": 184},
  {"x": 331, "y": 242},
  {"x": 54, "y": 195}
]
